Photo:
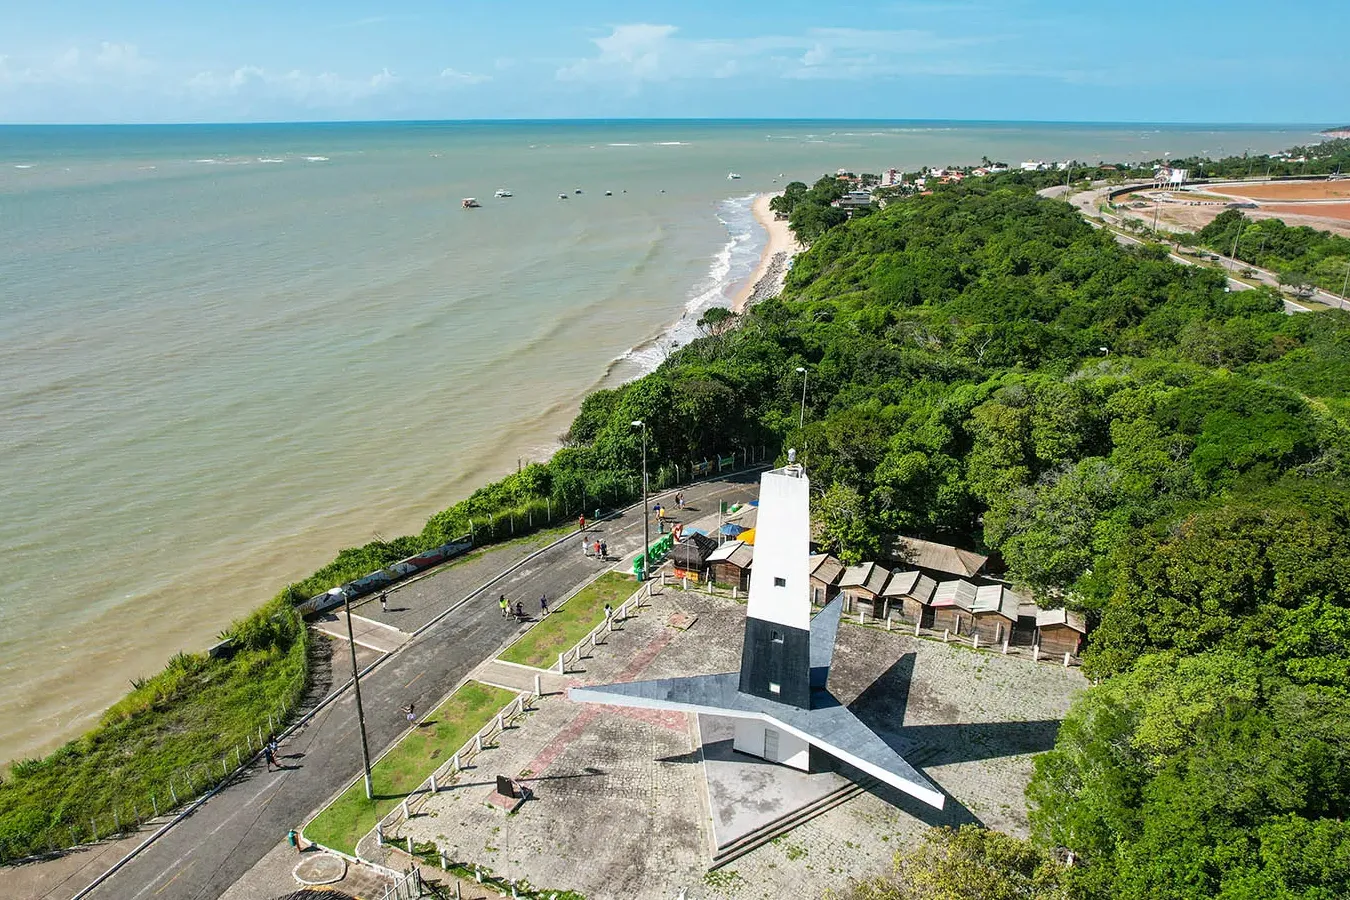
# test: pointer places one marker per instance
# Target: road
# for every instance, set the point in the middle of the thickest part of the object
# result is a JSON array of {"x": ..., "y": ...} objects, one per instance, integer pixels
[
  {"x": 202, "y": 856},
  {"x": 1088, "y": 203}
]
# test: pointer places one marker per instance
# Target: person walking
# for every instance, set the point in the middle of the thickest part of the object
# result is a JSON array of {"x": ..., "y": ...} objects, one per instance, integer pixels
[
  {"x": 409, "y": 711},
  {"x": 270, "y": 756},
  {"x": 609, "y": 612},
  {"x": 543, "y": 605},
  {"x": 505, "y": 606},
  {"x": 604, "y": 549},
  {"x": 581, "y": 522},
  {"x": 596, "y": 548},
  {"x": 520, "y": 610},
  {"x": 384, "y": 601}
]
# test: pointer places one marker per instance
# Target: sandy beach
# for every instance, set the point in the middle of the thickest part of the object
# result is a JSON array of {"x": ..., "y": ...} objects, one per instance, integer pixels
[{"x": 780, "y": 241}]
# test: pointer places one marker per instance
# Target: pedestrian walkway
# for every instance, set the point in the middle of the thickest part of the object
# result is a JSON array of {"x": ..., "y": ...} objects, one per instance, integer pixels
[
  {"x": 457, "y": 608},
  {"x": 517, "y": 677},
  {"x": 365, "y": 632}
]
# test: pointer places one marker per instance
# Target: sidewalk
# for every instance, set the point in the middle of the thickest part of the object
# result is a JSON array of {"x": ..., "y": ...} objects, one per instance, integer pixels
[{"x": 200, "y": 858}]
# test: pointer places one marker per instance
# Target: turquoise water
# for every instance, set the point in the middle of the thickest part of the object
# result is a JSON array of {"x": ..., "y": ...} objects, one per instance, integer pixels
[{"x": 228, "y": 351}]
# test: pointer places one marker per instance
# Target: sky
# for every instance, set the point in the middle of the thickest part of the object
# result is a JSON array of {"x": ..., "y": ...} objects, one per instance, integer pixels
[{"x": 1238, "y": 61}]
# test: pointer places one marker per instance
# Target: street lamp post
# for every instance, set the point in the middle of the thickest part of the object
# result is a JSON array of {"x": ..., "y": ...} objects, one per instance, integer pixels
[
  {"x": 801, "y": 419},
  {"x": 646, "y": 513},
  {"x": 356, "y": 686}
]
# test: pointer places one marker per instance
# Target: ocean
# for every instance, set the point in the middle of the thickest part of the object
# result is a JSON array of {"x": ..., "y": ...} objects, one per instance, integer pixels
[{"x": 226, "y": 352}]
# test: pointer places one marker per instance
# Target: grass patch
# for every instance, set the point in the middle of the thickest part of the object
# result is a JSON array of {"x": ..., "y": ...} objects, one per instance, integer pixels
[
  {"x": 570, "y": 622},
  {"x": 168, "y": 736},
  {"x": 405, "y": 767}
]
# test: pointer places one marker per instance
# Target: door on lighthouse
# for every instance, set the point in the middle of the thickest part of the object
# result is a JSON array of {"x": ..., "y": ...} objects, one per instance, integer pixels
[{"x": 771, "y": 745}]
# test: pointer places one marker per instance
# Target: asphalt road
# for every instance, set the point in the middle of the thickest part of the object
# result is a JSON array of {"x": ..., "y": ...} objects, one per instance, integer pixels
[
  {"x": 203, "y": 855},
  {"x": 1087, "y": 204}
]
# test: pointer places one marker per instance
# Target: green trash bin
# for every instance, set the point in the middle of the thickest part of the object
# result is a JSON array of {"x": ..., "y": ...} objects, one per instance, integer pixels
[{"x": 638, "y": 567}]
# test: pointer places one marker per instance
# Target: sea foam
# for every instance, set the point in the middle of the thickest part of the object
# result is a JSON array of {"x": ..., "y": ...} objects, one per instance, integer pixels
[{"x": 733, "y": 263}]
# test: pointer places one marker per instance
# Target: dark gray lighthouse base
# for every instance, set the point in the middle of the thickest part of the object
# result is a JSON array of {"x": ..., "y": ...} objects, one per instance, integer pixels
[{"x": 751, "y": 801}]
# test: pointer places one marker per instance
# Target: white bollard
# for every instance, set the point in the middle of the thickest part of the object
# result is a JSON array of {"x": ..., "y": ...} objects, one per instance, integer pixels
[
  {"x": 410, "y": 845},
  {"x": 478, "y": 874},
  {"x": 888, "y": 623},
  {"x": 478, "y": 742},
  {"x": 432, "y": 779},
  {"x": 454, "y": 760},
  {"x": 916, "y": 629},
  {"x": 404, "y": 807},
  {"x": 860, "y": 614},
  {"x": 735, "y": 592},
  {"x": 592, "y": 640},
  {"x": 975, "y": 640},
  {"x": 946, "y": 635},
  {"x": 445, "y": 865},
  {"x": 686, "y": 582},
  {"x": 1035, "y": 652},
  {"x": 1066, "y": 658},
  {"x": 538, "y": 686},
  {"x": 458, "y": 895},
  {"x": 562, "y": 664},
  {"x": 379, "y": 834},
  {"x": 501, "y": 724},
  {"x": 1005, "y": 646}
]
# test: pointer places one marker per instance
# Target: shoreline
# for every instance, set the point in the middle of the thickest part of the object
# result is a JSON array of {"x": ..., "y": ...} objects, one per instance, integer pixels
[
  {"x": 767, "y": 279},
  {"x": 47, "y": 724}
]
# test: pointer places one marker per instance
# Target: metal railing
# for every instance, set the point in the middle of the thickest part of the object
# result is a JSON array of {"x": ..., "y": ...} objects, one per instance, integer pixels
[{"x": 593, "y": 638}]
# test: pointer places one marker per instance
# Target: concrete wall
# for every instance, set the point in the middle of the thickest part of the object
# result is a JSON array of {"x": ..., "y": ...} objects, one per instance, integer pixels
[{"x": 792, "y": 750}]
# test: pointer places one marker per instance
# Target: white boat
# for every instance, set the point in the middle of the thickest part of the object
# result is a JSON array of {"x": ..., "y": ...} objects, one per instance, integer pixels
[
  {"x": 469, "y": 203},
  {"x": 502, "y": 192},
  {"x": 562, "y": 196},
  {"x": 609, "y": 193},
  {"x": 732, "y": 176}
]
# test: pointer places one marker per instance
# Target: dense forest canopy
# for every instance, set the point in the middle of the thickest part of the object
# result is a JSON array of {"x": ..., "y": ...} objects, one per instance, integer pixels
[
  {"x": 1131, "y": 439},
  {"x": 1134, "y": 441},
  {"x": 1301, "y": 255}
]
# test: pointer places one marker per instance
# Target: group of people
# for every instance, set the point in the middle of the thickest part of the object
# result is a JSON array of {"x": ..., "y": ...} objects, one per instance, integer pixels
[
  {"x": 519, "y": 611},
  {"x": 598, "y": 548}
]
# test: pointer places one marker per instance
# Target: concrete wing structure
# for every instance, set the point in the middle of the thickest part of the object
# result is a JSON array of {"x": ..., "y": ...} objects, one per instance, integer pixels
[
  {"x": 779, "y": 698},
  {"x": 775, "y": 731}
]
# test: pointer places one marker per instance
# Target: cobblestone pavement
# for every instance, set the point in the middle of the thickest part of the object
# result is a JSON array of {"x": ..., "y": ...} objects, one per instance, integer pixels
[{"x": 620, "y": 805}]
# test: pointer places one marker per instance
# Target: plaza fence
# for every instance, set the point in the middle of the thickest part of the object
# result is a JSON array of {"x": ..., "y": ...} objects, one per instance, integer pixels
[
  {"x": 446, "y": 773},
  {"x": 586, "y": 646}
]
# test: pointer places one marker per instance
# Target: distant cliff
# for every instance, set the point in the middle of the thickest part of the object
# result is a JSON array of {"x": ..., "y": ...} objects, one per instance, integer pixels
[{"x": 1342, "y": 132}]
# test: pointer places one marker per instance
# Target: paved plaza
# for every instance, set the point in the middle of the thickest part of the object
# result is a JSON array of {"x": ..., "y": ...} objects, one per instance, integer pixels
[{"x": 620, "y": 805}]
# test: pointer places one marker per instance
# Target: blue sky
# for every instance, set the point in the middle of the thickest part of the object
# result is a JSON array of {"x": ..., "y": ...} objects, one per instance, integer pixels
[{"x": 244, "y": 60}]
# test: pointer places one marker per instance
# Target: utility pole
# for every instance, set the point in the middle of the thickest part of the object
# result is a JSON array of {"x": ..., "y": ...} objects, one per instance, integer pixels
[
  {"x": 801, "y": 419},
  {"x": 356, "y": 685},
  {"x": 646, "y": 513},
  {"x": 1345, "y": 284}
]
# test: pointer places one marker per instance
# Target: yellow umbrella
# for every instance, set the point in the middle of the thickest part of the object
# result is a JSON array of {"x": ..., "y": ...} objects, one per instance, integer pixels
[{"x": 748, "y": 535}]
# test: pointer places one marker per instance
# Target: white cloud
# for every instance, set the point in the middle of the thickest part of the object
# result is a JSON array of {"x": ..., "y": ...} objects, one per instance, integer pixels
[
  {"x": 110, "y": 65},
  {"x": 638, "y": 53},
  {"x": 454, "y": 76},
  {"x": 308, "y": 90}
]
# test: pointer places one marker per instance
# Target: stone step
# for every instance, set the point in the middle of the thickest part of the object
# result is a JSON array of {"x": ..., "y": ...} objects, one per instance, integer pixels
[{"x": 786, "y": 823}]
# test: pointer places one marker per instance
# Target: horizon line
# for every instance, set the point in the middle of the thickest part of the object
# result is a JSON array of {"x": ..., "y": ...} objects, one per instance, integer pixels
[{"x": 1323, "y": 126}]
